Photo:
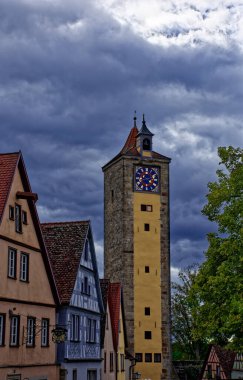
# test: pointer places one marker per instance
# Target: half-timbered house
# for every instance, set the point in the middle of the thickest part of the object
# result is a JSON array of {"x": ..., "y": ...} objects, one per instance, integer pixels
[
  {"x": 218, "y": 364},
  {"x": 72, "y": 254}
]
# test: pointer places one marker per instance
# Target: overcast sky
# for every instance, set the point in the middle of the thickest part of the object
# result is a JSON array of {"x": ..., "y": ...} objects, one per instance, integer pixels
[{"x": 72, "y": 72}]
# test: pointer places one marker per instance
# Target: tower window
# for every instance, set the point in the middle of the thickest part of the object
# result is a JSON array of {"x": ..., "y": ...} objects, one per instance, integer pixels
[
  {"x": 147, "y": 334},
  {"x": 146, "y": 144},
  {"x": 148, "y": 358},
  {"x": 146, "y": 227},
  {"x": 157, "y": 358},
  {"x": 112, "y": 196},
  {"x": 139, "y": 357},
  {"x": 147, "y": 311},
  {"x": 146, "y": 269},
  {"x": 148, "y": 208}
]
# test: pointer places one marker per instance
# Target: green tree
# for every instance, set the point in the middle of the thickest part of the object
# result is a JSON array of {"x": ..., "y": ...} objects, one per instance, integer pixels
[
  {"x": 184, "y": 306},
  {"x": 219, "y": 281}
]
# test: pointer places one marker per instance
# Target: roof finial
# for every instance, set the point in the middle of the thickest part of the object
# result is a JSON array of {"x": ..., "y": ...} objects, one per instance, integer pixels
[
  {"x": 144, "y": 122},
  {"x": 135, "y": 119}
]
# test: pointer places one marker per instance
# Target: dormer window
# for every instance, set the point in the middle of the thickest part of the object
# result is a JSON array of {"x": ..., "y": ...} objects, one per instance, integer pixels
[
  {"x": 18, "y": 218},
  {"x": 146, "y": 144}
]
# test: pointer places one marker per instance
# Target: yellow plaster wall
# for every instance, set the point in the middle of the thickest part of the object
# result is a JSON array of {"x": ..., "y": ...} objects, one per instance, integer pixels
[
  {"x": 22, "y": 354},
  {"x": 7, "y": 228},
  {"x": 147, "y": 286},
  {"x": 108, "y": 348},
  {"x": 37, "y": 289},
  {"x": 121, "y": 349}
]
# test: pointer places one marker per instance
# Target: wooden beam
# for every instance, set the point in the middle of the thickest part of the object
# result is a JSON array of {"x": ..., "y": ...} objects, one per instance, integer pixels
[{"x": 27, "y": 195}]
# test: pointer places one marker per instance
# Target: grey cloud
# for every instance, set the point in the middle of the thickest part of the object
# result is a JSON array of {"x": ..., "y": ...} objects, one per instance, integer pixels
[{"x": 70, "y": 79}]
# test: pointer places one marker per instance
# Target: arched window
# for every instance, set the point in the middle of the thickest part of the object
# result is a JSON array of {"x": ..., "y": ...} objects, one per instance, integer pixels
[{"x": 146, "y": 144}]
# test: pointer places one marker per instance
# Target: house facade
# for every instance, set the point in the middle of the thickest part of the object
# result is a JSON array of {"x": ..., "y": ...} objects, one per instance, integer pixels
[
  {"x": 72, "y": 254},
  {"x": 218, "y": 363},
  {"x": 113, "y": 333},
  {"x": 28, "y": 295}
]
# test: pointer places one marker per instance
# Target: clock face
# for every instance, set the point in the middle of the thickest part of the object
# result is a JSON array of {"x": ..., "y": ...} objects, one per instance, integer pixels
[{"x": 147, "y": 179}]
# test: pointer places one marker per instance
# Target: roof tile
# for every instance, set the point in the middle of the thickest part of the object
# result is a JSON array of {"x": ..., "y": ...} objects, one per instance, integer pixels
[
  {"x": 65, "y": 242},
  {"x": 8, "y": 164}
]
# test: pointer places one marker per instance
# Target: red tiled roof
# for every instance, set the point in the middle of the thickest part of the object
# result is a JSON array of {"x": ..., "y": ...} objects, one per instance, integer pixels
[
  {"x": 8, "y": 163},
  {"x": 65, "y": 242},
  {"x": 114, "y": 299},
  {"x": 226, "y": 359},
  {"x": 131, "y": 140},
  {"x": 130, "y": 149},
  {"x": 104, "y": 287}
]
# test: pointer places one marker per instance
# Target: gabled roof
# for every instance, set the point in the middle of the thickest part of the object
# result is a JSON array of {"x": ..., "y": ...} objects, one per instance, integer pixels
[
  {"x": 8, "y": 163},
  {"x": 225, "y": 360},
  {"x": 112, "y": 296},
  {"x": 65, "y": 243},
  {"x": 104, "y": 286},
  {"x": 114, "y": 299}
]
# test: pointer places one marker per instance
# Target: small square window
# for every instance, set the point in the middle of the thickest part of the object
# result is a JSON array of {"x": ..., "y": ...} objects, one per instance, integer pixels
[
  {"x": 148, "y": 208},
  {"x": 24, "y": 217},
  {"x": 157, "y": 358},
  {"x": 147, "y": 311},
  {"x": 146, "y": 269},
  {"x": 148, "y": 358},
  {"x": 146, "y": 227},
  {"x": 11, "y": 212},
  {"x": 139, "y": 357},
  {"x": 147, "y": 335}
]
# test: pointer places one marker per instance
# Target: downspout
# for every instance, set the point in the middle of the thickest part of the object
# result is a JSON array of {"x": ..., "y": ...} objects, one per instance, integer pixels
[{"x": 131, "y": 367}]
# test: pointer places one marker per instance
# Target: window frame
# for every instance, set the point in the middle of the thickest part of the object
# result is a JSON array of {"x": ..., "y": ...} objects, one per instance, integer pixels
[
  {"x": 146, "y": 208},
  {"x": 31, "y": 330},
  {"x": 146, "y": 227},
  {"x": 45, "y": 328},
  {"x": 111, "y": 362},
  {"x": 18, "y": 218},
  {"x": 148, "y": 357},
  {"x": 24, "y": 278},
  {"x": 157, "y": 357},
  {"x": 75, "y": 328},
  {"x": 12, "y": 263},
  {"x": 147, "y": 311},
  {"x": 122, "y": 362},
  {"x": 139, "y": 357},
  {"x": 2, "y": 329},
  {"x": 24, "y": 217},
  {"x": 11, "y": 213},
  {"x": 148, "y": 335},
  {"x": 14, "y": 325},
  {"x": 91, "y": 330}
]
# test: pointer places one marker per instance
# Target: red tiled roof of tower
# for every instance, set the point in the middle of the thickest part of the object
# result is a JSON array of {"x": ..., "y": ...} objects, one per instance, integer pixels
[
  {"x": 226, "y": 359},
  {"x": 8, "y": 163},
  {"x": 131, "y": 141},
  {"x": 114, "y": 299},
  {"x": 65, "y": 242}
]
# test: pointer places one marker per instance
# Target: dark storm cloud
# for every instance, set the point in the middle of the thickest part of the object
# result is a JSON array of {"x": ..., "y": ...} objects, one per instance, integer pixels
[{"x": 71, "y": 77}]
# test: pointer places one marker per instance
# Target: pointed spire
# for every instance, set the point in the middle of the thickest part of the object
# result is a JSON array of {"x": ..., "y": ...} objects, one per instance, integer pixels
[
  {"x": 144, "y": 130},
  {"x": 135, "y": 120}
]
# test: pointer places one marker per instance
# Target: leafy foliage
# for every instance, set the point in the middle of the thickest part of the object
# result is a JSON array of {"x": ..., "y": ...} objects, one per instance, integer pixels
[
  {"x": 184, "y": 306},
  {"x": 218, "y": 285}
]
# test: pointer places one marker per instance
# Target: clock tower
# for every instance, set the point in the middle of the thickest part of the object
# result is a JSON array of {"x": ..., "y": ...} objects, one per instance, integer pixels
[{"x": 137, "y": 248}]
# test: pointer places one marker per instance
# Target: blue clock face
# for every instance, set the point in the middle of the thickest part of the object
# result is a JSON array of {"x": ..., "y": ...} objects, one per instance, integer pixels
[{"x": 147, "y": 179}]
